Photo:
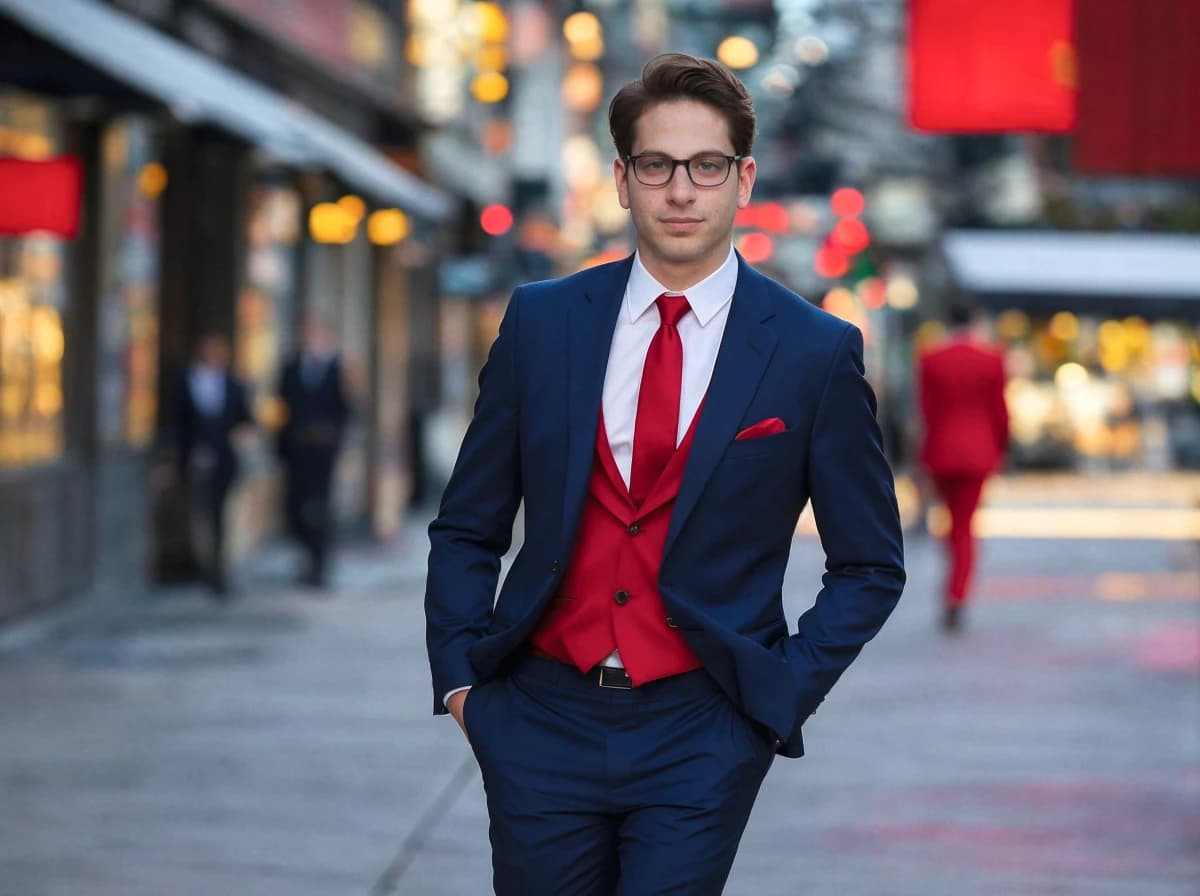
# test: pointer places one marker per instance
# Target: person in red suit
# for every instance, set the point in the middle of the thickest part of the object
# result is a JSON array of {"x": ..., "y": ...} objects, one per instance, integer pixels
[{"x": 961, "y": 387}]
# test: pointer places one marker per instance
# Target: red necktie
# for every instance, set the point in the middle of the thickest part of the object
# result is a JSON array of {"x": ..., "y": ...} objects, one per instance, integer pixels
[{"x": 657, "y": 425}]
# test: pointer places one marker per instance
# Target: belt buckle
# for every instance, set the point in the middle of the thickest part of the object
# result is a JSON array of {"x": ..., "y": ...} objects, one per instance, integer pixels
[{"x": 612, "y": 677}]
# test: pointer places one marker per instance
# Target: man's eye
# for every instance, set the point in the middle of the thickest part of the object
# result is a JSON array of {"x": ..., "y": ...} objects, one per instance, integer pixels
[
  {"x": 654, "y": 164},
  {"x": 707, "y": 166}
]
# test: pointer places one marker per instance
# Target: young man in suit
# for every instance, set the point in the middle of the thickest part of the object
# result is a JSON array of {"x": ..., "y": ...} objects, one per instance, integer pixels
[
  {"x": 961, "y": 388},
  {"x": 664, "y": 419},
  {"x": 313, "y": 389}
]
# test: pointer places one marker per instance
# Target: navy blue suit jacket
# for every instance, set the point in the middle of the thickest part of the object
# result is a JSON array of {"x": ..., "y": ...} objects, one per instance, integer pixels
[{"x": 532, "y": 439}]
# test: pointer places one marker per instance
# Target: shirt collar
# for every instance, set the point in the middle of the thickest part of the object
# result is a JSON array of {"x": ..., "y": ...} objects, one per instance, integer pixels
[{"x": 706, "y": 298}]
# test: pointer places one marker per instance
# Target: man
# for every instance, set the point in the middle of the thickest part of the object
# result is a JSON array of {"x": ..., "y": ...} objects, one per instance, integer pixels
[
  {"x": 313, "y": 391},
  {"x": 210, "y": 406},
  {"x": 961, "y": 387},
  {"x": 664, "y": 419}
]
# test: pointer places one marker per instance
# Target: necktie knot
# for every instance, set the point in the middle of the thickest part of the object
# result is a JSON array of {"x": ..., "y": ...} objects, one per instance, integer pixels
[{"x": 671, "y": 309}]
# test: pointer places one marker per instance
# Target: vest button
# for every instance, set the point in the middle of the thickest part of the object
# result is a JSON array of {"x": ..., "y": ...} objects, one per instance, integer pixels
[
  {"x": 621, "y": 597},
  {"x": 554, "y": 566},
  {"x": 634, "y": 529}
]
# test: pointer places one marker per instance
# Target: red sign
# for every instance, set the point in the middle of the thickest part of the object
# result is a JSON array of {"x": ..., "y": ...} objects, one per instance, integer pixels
[
  {"x": 40, "y": 196},
  {"x": 979, "y": 66},
  {"x": 1139, "y": 87}
]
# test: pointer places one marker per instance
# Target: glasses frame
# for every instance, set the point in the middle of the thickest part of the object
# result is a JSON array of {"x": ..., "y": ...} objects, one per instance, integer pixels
[{"x": 631, "y": 161}]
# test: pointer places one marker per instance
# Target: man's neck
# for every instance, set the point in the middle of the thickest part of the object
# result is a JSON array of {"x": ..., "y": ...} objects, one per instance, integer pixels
[{"x": 681, "y": 278}]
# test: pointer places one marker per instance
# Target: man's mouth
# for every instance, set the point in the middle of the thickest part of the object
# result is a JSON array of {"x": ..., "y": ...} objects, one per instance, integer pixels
[{"x": 681, "y": 225}]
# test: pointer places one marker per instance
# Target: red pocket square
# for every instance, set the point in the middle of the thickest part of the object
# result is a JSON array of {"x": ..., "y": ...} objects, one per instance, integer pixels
[{"x": 767, "y": 427}]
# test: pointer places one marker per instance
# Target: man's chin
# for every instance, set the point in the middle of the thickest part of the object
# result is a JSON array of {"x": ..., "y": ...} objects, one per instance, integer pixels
[{"x": 683, "y": 250}]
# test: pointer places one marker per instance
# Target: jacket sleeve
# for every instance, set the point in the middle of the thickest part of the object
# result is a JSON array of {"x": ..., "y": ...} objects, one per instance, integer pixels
[
  {"x": 854, "y": 504},
  {"x": 473, "y": 529}
]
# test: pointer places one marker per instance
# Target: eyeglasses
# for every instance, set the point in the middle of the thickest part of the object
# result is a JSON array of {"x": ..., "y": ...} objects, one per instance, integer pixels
[{"x": 705, "y": 170}]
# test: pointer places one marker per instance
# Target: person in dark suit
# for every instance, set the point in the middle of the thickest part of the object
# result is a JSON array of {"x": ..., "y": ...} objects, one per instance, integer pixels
[
  {"x": 961, "y": 388},
  {"x": 313, "y": 390},
  {"x": 210, "y": 406},
  {"x": 664, "y": 420}
]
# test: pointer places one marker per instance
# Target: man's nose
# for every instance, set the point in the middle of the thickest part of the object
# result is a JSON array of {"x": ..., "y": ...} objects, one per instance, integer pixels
[{"x": 680, "y": 188}]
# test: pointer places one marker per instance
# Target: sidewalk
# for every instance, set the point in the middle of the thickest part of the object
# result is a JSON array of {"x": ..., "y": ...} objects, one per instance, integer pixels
[{"x": 283, "y": 744}]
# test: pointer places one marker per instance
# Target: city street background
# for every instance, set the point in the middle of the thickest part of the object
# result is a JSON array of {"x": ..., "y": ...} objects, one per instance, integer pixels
[
  {"x": 284, "y": 744},
  {"x": 357, "y": 186}
]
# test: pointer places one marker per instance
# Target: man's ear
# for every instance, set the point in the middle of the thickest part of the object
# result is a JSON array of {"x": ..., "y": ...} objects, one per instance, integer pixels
[
  {"x": 621, "y": 176},
  {"x": 747, "y": 172}
]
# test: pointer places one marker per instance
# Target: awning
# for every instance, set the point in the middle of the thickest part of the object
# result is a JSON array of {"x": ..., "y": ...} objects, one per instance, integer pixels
[
  {"x": 1118, "y": 269},
  {"x": 200, "y": 90}
]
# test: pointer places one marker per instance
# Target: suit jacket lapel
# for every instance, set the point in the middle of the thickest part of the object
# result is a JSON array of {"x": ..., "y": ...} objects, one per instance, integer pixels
[
  {"x": 746, "y": 348},
  {"x": 591, "y": 319}
]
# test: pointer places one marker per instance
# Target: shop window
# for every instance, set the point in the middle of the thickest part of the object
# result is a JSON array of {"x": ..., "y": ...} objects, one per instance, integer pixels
[
  {"x": 32, "y": 307},
  {"x": 266, "y": 305},
  {"x": 127, "y": 340},
  {"x": 1092, "y": 393}
]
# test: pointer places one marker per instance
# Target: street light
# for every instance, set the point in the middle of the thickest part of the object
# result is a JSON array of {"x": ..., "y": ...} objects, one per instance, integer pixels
[{"x": 738, "y": 52}]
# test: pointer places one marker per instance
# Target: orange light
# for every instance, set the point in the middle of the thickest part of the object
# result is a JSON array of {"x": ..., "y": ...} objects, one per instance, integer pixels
[
  {"x": 581, "y": 27},
  {"x": 388, "y": 226},
  {"x": 489, "y": 87},
  {"x": 496, "y": 220},
  {"x": 583, "y": 87},
  {"x": 328, "y": 222},
  {"x": 839, "y": 301},
  {"x": 738, "y": 52},
  {"x": 847, "y": 202},
  {"x": 152, "y": 179},
  {"x": 873, "y": 292},
  {"x": 851, "y": 236},
  {"x": 830, "y": 262},
  {"x": 756, "y": 247}
]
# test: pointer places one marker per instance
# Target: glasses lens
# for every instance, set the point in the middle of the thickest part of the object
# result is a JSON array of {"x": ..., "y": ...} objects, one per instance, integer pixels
[
  {"x": 709, "y": 171},
  {"x": 653, "y": 171}
]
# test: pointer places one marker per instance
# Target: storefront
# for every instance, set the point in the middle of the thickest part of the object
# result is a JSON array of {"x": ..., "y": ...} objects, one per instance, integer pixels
[
  {"x": 37, "y": 476},
  {"x": 193, "y": 219},
  {"x": 1102, "y": 344},
  {"x": 78, "y": 360},
  {"x": 33, "y": 304}
]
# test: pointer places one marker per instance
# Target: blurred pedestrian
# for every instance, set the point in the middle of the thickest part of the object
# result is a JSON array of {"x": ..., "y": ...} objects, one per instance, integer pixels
[
  {"x": 210, "y": 407},
  {"x": 664, "y": 419},
  {"x": 314, "y": 392},
  {"x": 961, "y": 387}
]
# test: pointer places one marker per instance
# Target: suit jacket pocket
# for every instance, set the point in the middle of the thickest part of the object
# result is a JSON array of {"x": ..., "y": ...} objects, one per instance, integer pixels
[{"x": 779, "y": 443}]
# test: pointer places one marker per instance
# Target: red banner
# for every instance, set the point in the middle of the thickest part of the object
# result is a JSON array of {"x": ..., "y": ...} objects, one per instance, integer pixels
[
  {"x": 40, "y": 196},
  {"x": 980, "y": 66},
  {"x": 1139, "y": 87}
]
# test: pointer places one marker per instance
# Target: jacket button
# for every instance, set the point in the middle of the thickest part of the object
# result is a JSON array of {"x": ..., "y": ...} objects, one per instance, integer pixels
[
  {"x": 671, "y": 623},
  {"x": 554, "y": 566},
  {"x": 621, "y": 597},
  {"x": 634, "y": 528}
]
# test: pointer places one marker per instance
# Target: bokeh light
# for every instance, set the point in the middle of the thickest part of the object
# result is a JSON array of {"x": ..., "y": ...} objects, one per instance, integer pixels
[{"x": 738, "y": 52}]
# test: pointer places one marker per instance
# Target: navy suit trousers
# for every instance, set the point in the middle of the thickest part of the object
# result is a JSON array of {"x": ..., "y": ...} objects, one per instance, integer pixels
[{"x": 595, "y": 791}]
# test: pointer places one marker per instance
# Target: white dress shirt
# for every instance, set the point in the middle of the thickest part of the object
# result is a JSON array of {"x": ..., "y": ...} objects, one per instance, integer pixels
[{"x": 700, "y": 331}]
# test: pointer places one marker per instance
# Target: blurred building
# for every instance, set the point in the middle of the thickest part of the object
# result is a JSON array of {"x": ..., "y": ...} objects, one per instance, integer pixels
[{"x": 239, "y": 168}]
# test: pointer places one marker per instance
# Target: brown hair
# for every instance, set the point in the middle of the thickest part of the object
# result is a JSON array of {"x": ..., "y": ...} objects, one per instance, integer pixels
[{"x": 677, "y": 76}]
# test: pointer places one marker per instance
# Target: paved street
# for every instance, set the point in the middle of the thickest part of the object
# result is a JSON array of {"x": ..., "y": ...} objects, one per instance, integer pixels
[{"x": 284, "y": 745}]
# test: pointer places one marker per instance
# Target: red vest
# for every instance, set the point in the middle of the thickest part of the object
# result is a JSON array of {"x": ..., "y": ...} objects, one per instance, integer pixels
[{"x": 609, "y": 596}]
